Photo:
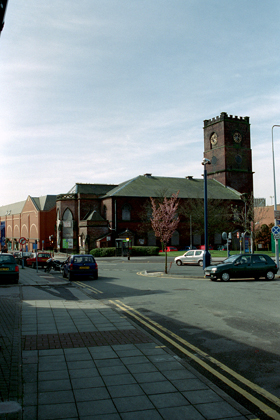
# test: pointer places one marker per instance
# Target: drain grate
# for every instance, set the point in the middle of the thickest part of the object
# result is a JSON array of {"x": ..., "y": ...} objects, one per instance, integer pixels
[{"x": 84, "y": 339}]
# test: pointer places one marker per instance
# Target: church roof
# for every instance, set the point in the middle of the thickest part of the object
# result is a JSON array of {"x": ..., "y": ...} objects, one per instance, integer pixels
[
  {"x": 156, "y": 186},
  {"x": 93, "y": 215},
  {"x": 96, "y": 189}
]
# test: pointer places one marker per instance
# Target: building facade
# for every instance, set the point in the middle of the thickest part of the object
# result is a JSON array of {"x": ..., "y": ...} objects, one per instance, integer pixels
[
  {"x": 86, "y": 221},
  {"x": 33, "y": 219},
  {"x": 101, "y": 215}
]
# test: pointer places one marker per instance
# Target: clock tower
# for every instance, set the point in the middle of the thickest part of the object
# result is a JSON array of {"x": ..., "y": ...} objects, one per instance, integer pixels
[{"x": 227, "y": 145}]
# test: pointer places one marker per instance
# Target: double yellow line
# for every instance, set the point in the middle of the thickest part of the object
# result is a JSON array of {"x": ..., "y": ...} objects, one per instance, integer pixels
[
  {"x": 203, "y": 359},
  {"x": 87, "y": 286}
]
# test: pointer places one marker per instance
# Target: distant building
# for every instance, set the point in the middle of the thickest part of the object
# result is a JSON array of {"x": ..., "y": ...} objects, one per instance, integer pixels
[{"x": 33, "y": 219}]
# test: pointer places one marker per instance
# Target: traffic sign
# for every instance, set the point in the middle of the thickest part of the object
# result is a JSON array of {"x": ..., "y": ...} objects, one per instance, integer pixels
[
  {"x": 22, "y": 240},
  {"x": 275, "y": 230}
]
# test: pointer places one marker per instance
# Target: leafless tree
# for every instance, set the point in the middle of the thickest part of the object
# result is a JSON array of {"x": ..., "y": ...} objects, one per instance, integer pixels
[{"x": 165, "y": 220}]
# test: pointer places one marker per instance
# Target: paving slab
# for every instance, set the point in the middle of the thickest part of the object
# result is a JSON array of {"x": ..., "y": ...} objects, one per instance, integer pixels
[{"x": 82, "y": 360}]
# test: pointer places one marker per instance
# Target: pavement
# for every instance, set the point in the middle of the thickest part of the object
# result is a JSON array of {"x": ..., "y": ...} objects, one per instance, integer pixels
[{"x": 67, "y": 356}]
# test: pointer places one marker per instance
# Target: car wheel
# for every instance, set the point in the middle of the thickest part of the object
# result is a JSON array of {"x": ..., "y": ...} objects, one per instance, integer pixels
[
  {"x": 225, "y": 276},
  {"x": 269, "y": 275},
  {"x": 95, "y": 276},
  {"x": 179, "y": 262},
  {"x": 200, "y": 263}
]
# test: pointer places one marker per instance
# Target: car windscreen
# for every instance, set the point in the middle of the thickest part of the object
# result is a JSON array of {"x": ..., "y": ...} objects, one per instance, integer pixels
[
  {"x": 81, "y": 260},
  {"x": 7, "y": 259},
  {"x": 231, "y": 259}
]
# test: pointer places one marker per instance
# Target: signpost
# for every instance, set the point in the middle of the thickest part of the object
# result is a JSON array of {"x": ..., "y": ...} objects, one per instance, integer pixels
[{"x": 22, "y": 241}]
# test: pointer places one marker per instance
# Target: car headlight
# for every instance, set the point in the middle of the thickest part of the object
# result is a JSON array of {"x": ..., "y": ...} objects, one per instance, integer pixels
[{"x": 214, "y": 270}]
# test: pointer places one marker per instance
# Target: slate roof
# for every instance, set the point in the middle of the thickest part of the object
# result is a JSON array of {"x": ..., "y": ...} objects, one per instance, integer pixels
[
  {"x": 96, "y": 189},
  {"x": 44, "y": 203},
  {"x": 94, "y": 216},
  {"x": 15, "y": 208},
  {"x": 156, "y": 186}
]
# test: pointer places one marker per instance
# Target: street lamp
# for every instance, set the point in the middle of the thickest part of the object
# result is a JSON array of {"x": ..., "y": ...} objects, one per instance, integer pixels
[
  {"x": 206, "y": 256},
  {"x": 275, "y": 200}
]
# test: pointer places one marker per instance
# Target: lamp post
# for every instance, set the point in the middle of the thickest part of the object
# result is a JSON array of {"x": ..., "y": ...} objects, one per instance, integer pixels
[
  {"x": 275, "y": 200},
  {"x": 206, "y": 256}
]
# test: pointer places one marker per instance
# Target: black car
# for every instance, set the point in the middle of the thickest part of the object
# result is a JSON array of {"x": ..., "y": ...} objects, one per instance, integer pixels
[
  {"x": 80, "y": 266},
  {"x": 9, "y": 270},
  {"x": 243, "y": 266}
]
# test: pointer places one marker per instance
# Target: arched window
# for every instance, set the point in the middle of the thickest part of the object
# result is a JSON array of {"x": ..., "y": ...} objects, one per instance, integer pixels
[
  {"x": 126, "y": 212},
  {"x": 67, "y": 224}
]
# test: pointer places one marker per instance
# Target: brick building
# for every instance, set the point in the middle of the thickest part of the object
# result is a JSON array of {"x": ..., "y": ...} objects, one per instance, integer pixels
[
  {"x": 89, "y": 216},
  {"x": 33, "y": 219},
  {"x": 96, "y": 215}
]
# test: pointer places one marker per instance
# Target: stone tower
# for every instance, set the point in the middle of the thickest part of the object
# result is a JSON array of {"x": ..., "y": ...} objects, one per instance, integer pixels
[{"x": 227, "y": 145}]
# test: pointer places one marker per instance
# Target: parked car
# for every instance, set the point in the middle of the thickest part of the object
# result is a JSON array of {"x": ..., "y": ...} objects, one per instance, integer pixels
[
  {"x": 243, "y": 266},
  {"x": 169, "y": 249},
  {"x": 210, "y": 247},
  {"x": 42, "y": 258},
  {"x": 80, "y": 266},
  {"x": 18, "y": 256},
  {"x": 9, "y": 270},
  {"x": 187, "y": 248},
  {"x": 194, "y": 256}
]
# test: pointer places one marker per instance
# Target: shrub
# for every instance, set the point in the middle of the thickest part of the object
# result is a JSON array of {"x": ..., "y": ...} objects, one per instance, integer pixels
[
  {"x": 144, "y": 250},
  {"x": 103, "y": 252},
  {"x": 135, "y": 250}
]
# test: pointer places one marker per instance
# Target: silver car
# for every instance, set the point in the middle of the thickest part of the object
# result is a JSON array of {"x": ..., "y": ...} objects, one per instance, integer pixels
[{"x": 194, "y": 256}]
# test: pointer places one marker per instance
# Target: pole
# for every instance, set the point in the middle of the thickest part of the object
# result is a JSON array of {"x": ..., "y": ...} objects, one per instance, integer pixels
[
  {"x": 206, "y": 256},
  {"x": 275, "y": 200},
  {"x": 190, "y": 232}
]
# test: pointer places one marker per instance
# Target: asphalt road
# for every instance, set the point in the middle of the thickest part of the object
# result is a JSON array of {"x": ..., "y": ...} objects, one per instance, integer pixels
[{"x": 237, "y": 323}]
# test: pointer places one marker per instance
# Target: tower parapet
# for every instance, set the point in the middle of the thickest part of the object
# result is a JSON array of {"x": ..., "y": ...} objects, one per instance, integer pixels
[{"x": 225, "y": 117}]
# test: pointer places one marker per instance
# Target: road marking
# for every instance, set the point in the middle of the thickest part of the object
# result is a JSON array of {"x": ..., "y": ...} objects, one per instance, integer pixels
[
  {"x": 86, "y": 286},
  {"x": 160, "y": 330}
]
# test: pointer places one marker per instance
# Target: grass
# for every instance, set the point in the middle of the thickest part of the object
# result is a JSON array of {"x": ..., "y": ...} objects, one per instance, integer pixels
[{"x": 214, "y": 253}]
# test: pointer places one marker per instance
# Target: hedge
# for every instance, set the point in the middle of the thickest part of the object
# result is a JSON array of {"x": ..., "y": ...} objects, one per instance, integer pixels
[
  {"x": 135, "y": 250},
  {"x": 103, "y": 252}
]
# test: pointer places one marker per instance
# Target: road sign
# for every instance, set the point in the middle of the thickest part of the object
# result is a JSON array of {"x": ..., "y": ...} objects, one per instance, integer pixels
[
  {"x": 277, "y": 236},
  {"x": 275, "y": 230},
  {"x": 22, "y": 240},
  {"x": 276, "y": 214}
]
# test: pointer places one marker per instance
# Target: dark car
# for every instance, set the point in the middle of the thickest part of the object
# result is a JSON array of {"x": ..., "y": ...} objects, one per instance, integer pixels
[
  {"x": 9, "y": 270},
  {"x": 18, "y": 256},
  {"x": 80, "y": 266},
  {"x": 243, "y": 266}
]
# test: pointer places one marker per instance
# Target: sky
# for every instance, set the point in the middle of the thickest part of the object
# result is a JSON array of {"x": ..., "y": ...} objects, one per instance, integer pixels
[{"x": 101, "y": 91}]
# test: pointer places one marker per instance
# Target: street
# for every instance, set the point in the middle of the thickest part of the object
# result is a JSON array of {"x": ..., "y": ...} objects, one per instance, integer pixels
[{"x": 237, "y": 323}]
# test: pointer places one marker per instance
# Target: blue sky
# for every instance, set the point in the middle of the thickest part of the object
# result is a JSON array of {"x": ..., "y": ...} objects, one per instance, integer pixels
[{"x": 100, "y": 91}]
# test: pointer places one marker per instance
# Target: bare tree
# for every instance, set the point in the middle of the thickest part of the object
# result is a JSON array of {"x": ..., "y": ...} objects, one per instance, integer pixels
[
  {"x": 165, "y": 220},
  {"x": 219, "y": 215}
]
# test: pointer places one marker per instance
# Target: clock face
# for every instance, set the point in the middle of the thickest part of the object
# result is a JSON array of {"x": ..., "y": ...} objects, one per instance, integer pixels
[
  {"x": 237, "y": 137},
  {"x": 214, "y": 139}
]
